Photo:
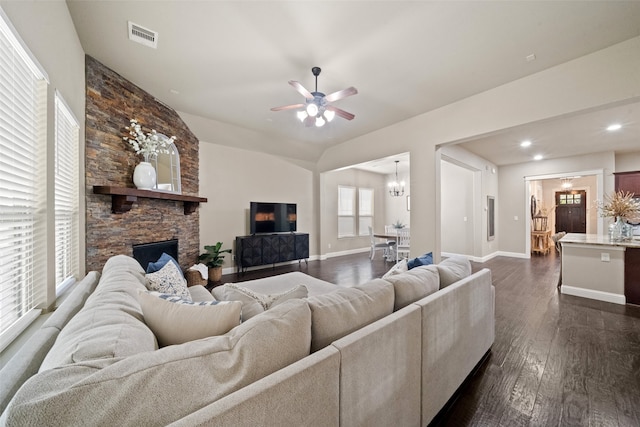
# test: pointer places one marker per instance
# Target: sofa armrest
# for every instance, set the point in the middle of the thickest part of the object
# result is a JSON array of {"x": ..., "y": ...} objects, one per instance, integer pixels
[
  {"x": 305, "y": 393},
  {"x": 458, "y": 328}
]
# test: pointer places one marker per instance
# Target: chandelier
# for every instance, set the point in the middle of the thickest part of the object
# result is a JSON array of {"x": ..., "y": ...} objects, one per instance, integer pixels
[
  {"x": 567, "y": 183},
  {"x": 396, "y": 189}
]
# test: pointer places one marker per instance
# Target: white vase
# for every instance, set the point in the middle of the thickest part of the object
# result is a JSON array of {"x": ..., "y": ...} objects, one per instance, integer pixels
[{"x": 144, "y": 176}]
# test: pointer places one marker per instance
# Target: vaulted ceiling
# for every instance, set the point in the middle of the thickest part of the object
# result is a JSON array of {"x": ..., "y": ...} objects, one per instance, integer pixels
[{"x": 229, "y": 61}]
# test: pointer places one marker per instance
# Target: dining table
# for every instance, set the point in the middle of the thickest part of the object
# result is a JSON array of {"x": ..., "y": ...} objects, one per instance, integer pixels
[{"x": 389, "y": 236}]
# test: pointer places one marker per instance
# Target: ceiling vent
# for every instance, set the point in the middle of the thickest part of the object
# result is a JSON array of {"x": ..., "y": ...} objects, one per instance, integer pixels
[{"x": 142, "y": 35}]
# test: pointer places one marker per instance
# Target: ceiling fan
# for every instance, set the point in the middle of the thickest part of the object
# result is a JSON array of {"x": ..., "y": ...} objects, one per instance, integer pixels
[{"x": 317, "y": 108}]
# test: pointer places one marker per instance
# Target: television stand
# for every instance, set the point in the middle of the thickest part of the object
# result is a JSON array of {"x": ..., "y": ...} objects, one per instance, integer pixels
[{"x": 264, "y": 249}]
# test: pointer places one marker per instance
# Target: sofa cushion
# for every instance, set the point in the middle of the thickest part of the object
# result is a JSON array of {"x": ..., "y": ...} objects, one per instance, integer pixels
[
  {"x": 110, "y": 325},
  {"x": 414, "y": 284},
  {"x": 176, "y": 321},
  {"x": 159, "y": 387},
  {"x": 168, "y": 280},
  {"x": 253, "y": 302},
  {"x": 73, "y": 302},
  {"x": 453, "y": 269},
  {"x": 399, "y": 267},
  {"x": 341, "y": 312},
  {"x": 200, "y": 293}
]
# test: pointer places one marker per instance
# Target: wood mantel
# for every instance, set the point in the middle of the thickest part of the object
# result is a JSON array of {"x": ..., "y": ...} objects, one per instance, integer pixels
[{"x": 122, "y": 198}]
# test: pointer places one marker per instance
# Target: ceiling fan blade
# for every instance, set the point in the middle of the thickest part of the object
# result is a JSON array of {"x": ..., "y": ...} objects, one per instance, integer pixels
[
  {"x": 287, "y": 107},
  {"x": 341, "y": 94},
  {"x": 309, "y": 121},
  {"x": 297, "y": 86},
  {"x": 341, "y": 113}
]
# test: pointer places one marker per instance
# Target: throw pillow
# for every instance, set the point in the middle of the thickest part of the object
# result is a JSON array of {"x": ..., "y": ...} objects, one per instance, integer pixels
[
  {"x": 400, "y": 267},
  {"x": 152, "y": 267},
  {"x": 414, "y": 285},
  {"x": 168, "y": 280},
  {"x": 426, "y": 259},
  {"x": 453, "y": 269},
  {"x": 174, "y": 320},
  {"x": 254, "y": 303}
]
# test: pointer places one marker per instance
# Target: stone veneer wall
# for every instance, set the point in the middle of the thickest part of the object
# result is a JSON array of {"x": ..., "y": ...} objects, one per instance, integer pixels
[{"x": 111, "y": 102}]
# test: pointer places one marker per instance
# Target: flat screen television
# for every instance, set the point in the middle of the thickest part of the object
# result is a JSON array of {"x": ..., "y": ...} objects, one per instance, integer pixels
[{"x": 272, "y": 217}]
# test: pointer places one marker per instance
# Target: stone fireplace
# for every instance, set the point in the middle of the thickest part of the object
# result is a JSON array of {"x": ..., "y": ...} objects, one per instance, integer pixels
[{"x": 111, "y": 101}]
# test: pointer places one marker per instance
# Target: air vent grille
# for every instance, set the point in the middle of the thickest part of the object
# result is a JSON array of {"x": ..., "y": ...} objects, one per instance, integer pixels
[{"x": 142, "y": 35}]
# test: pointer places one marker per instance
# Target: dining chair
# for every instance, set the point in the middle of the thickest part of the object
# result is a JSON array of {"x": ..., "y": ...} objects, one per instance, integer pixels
[
  {"x": 404, "y": 242},
  {"x": 385, "y": 246}
]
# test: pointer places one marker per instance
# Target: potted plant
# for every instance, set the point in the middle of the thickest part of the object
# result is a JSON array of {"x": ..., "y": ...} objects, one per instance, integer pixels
[{"x": 214, "y": 258}]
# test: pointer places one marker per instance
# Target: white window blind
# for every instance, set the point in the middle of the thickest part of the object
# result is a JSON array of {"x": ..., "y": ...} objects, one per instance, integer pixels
[
  {"x": 66, "y": 193},
  {"x": 22, "y": 184},
  {"x": 346, "y": 211},
  {"x": 365, "y": 210}
]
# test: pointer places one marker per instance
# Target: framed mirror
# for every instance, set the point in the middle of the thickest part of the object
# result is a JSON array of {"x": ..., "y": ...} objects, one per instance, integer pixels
[
  {"x": 168, "y": 170},
  {"x": 491, "y": 210}
]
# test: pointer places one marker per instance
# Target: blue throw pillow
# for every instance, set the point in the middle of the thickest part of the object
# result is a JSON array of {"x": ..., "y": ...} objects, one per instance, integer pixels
[
  {"x": 152, "y": 267},
  {"x": 425, "y": 259}
]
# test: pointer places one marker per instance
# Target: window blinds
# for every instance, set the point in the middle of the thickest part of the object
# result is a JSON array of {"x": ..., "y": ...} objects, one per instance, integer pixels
[
  {"x": 66, "y": 192},
  {"x": 22, "y": 183}
]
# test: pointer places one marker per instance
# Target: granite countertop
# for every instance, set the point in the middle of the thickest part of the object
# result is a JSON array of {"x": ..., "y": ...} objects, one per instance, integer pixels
[{"x": 597, "y": 239}]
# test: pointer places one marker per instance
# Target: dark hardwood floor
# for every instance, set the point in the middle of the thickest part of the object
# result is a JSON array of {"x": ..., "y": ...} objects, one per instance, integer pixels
[{"x": 557, "y": 360}]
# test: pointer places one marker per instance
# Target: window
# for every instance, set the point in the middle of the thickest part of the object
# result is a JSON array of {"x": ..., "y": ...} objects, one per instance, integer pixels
[
  {"x": 66, "y": 194},
  {"x": 23, "y": 91},
  {"x": 365, "y": 210},
  {"x": 346, "y": 211}
]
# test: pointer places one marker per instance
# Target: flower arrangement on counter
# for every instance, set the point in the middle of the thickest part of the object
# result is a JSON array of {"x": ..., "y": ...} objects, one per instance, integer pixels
[
  {"x": 148, "y": 144},
  {"x": 620, "y": 204}
]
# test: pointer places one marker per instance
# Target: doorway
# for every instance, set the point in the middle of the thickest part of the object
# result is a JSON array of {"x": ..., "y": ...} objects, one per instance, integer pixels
[{"x": 571, "y": 211}]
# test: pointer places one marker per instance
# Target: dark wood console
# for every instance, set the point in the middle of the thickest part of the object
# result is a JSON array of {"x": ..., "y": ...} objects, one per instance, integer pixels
[{"x": 264, "y": 249}]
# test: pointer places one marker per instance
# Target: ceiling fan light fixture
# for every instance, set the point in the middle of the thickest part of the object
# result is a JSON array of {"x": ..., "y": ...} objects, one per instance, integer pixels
[
  {"x": 319, "y": 121},
  {"x": 302, "y": 115},
  {"x": 312, "y": 109},
  {"x": 329, "y": 115}
]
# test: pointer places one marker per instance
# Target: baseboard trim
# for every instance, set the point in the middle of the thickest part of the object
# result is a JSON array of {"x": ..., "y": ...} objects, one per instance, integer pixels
[
  {"x": 347, "y": 252},
  {"x": 487, "y": 257},
  {"x": 591, "y": 294}
]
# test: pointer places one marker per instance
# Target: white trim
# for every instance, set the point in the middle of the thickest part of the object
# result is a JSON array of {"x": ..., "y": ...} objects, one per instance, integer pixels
[
  {"x": 608, "y": 247},
  {"x": 18, "y": 327},
  {"x": 591, "y": 294},
  {"x": 347, "y": 252},
  {"x": 514, "y": 255}
]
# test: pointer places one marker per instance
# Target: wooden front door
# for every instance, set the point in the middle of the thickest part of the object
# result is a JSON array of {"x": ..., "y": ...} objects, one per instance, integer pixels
[{"x": 571, "y": 211}]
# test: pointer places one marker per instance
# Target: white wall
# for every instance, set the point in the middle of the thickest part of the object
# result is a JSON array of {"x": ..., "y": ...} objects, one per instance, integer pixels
[
  {"x": 604, "y": 77},
  {"x": 330, "y": 244},
  {"x": 628, "y": 162},
  {"x": 47, "y": 30},
  {"x": 458, "y": 213},
  {"x": 231, "y": 178},
  {"x": 513, "y": 187},
  {"x": 484, "y": 183}
]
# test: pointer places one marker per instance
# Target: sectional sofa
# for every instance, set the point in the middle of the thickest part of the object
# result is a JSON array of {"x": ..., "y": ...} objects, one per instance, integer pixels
[{"x": 389, "y": 352}]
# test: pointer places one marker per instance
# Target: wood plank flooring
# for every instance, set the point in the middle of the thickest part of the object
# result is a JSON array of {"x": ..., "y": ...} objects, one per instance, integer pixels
[{"x": 557, "y": 360}]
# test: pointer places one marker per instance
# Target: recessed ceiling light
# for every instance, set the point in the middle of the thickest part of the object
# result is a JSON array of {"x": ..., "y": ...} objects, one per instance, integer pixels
[
  {"x": 525, "y": 143},
  {"x": 531, "y": 57},
  {"x": 173, "y": 91},
  {"x": 614, "y": 127},
  {"x": 537, "y": 157}
]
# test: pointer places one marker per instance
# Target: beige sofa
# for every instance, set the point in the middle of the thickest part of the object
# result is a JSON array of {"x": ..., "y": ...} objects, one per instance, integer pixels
[{"x": 390, "y": 352}]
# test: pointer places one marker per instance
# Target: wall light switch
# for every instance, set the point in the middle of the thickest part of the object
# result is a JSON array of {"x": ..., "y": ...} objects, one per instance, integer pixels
[
  {"x": 465, "y": 219},
  {"x": 604, "y": 257},
  {"x": 515, "y": 218},
  {"x": 329, "y": 245}
]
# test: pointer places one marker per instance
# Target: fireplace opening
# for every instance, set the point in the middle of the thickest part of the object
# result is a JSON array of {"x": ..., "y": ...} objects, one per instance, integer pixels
[{"x": 150, "y": 252}]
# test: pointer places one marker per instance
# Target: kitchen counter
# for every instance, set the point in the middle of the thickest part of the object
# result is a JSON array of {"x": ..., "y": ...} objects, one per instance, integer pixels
[
  {"x": 597, "y": 239},
  {"x": 595, "y": 267}
]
